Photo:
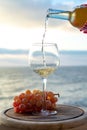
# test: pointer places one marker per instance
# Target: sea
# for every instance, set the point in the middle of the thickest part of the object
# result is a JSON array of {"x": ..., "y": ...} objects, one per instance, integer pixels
[{"x": 69, "y": 81}]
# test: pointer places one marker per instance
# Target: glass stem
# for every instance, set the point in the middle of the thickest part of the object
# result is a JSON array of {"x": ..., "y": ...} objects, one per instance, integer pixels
[{"x": 44, "y": 93}]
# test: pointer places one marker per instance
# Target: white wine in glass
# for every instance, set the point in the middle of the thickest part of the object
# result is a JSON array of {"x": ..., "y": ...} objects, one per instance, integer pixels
[{"x": 44, "y": 60}]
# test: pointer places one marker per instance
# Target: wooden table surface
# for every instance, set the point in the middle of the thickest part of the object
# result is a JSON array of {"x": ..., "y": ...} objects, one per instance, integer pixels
[{"x": 67, "y": 118}]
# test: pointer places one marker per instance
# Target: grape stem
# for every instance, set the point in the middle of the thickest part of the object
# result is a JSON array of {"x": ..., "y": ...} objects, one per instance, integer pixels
[{"x": 57, "y": 94}]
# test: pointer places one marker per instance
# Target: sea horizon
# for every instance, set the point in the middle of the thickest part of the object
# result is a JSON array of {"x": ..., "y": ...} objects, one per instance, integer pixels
[{"x": 19, "y": 57}]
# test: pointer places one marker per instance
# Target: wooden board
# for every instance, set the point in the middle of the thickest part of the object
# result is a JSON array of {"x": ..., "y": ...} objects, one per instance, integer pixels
[
  {"x": 63, "y": 113},
  {"x": 67, "y": 118}
]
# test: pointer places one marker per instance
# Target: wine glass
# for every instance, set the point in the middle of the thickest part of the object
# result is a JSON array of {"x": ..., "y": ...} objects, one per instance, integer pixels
[{"x": 44, "y": 60}]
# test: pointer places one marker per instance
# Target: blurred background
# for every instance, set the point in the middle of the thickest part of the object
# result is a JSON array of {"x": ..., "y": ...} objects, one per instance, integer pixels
[{"x": 22, "y": 23}]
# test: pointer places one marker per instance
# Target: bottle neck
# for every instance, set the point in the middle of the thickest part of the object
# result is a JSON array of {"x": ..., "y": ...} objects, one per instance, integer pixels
[{"x": 58, "y": 14}]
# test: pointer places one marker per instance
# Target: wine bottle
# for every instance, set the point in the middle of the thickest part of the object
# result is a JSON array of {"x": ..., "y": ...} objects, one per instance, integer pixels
[{"x": 77, "y": 17}]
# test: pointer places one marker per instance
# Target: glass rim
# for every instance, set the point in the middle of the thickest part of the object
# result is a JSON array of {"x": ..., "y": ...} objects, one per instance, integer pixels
[{"x": 44, "y": 44}]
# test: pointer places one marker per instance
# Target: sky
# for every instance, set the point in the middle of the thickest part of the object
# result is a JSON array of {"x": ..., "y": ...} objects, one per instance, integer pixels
[{"x": 22, "y": 23}]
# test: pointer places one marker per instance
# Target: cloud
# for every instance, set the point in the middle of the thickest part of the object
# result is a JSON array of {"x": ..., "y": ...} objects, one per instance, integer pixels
[
  {"x": 28, "y": 19},
  {"x": 73, "y": 58},
  {"x": 13, "y": 60},
  {"x": 13, "y": 52},
  {"x": 20, "y": 58},
  {"x": 17, "y": 57},
  {"x": 24, "y": 12},
  {"x": 30, "y": 13}
]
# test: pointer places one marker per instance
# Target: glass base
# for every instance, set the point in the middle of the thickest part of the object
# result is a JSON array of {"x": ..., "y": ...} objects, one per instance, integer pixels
[{"x": 45, "y": 113}]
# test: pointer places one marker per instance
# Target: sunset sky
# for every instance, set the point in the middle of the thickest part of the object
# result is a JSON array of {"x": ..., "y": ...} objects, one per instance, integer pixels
[{"x": 22, "y": 23}]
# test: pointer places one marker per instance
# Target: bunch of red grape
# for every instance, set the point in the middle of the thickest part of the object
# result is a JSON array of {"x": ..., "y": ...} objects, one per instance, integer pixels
[{"x": 32, "y": 101}]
